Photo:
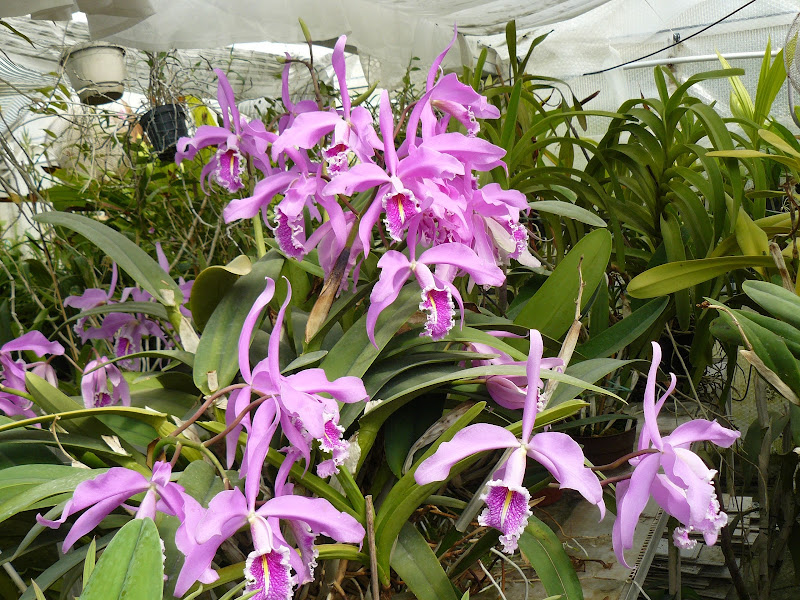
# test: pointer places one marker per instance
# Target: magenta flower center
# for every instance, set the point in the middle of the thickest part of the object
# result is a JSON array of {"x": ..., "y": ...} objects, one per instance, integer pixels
[
  {"x": 441, "y": 310},
  {"x": 400, "y": 207},
  {"x": 288, "y": 232},
  {"x": 230, "y": 167},
  {"x": 336, "y": 157},
  {"x": 269, "y": 573},
  {"x": 506, "y": 510}
]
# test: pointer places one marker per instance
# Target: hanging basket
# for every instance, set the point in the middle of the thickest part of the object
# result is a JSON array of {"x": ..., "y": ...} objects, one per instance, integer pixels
[
  {"x": 96, "y": 71},
  {"x": 164, "y": 126}
]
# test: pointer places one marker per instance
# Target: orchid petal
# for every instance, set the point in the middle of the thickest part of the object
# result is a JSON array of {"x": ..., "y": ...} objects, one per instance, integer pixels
[
  {"x": 249, "y": 325},
  {"x": 341, "y": 73},
  {"x": 395, "y": 270},
  {"x": 464, "y": 257},
  {"x": 631, "y": 501},
  {"x": 315, "y": 381},
  {"x": 35, "y": 342},
  {"x": 470, "y": 440},
  {"x": 701, "y": 430},
  {"x": 318, "y": 513},
  {"x": 532, "y": 369},
  {"x": 563, "y": 458}
]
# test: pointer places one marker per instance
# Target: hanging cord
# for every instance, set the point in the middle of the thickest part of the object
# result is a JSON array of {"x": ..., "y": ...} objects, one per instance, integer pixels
[{"x": 696, "y": 33}]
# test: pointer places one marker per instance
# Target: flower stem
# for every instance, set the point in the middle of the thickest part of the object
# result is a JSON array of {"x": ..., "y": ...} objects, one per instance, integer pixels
[
  {"x": 13, "y": 392},
  {"x": 209, "y": 401},
  {"x": 624, "y": 459},
  {"x": 258, "y": 232}
]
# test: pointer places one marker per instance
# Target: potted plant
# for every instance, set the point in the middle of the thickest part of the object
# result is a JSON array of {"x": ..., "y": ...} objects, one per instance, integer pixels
[
  {"x": 165, "y": 123},
  {"x": 96, "y": 71}
]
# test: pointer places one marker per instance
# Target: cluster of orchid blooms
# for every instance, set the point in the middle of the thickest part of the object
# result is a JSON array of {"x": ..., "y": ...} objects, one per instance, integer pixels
[
  {"x": 425, "y": 191},
  {"x": 428, "y": 196}
]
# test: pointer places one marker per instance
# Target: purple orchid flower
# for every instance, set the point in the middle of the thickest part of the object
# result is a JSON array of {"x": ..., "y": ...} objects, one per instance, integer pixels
[
  {"x": 402, "y": 187},
  {"x": 437, "y": 293},
  {"x": 453, "y": 98},
  {"x": 506, "y": 499},
  {"x": 352, "y": 129},
  {"x": 508, "y": 391},
  {"x": 234, "y": 140},
  {"x": 303, "y": 413},
  {"x": 12, "y": 372},
  {"x": 91, "y": 298},
  {"x": 302, "y": 188},
  {"x": 292, "y": 110},
  {"x": 110, "y": 490},
  {"x": 127, "y": 330},
  {"x": 97, "y": 376},
  {"x": 678, "y": 479},
  {"x": 269, "y": 565}
]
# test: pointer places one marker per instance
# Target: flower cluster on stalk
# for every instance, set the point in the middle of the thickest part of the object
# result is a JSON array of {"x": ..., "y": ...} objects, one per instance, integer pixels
[
  {"x": 301, "y": 408},
  {"x": 331, "y": 167},
  {"x": 424, "y": 199}
]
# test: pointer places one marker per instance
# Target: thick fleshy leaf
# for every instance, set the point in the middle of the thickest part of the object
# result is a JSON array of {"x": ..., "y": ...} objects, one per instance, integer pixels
[
  {"x": 210, "y": 287},
  {"x": 216, "y": 360},
  {"x": 132, "y": 567},
  {"x": 546, "y": 554},
  {"x": 674, "y": 276},
  {"x": 129, "y": 257},
  {"x": 551, "y": 310},
  {"x": 569, "y": 210},
  {"x": 419, "y": 568}
]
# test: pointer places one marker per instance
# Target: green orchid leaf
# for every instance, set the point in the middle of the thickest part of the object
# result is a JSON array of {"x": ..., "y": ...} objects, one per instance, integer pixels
[
  {"x": 406, "y": 495},
  {"x": 623, "y": 333},
  {"x": 129, "y": 257},
  {"x": 591, "y": 370},
  {"x": 211, "y": 285},
  {"x": 32, "y": 494},
  {"x": 551, "y": 310},
  {"x": 64, "y": 565},
  {"x": 131, "y": 568},
  {"x": 674, "y": 276},
  {"x": 553, "y": 566},
  {"x": 418, "y": 567},
  {"x": 775, "y": 299},
  {"x": 571, "y": 211},
  {"x": 217, "y": 358}
]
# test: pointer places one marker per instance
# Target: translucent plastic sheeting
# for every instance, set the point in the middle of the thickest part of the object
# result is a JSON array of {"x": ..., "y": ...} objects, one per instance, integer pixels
[
  {"x": 623, "y": 30},
  {"x": 387, "y": 33}
]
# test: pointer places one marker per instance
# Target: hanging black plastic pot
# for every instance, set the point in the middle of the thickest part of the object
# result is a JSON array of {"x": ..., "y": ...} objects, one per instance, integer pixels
[{"x": 164, "y": 126}]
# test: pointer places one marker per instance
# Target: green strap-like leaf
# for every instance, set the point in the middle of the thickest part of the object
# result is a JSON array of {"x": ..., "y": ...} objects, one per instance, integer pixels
[
  {"x": 778, "y": 301},
  {"x": 131, "y": 568},
  {"x": 211, "y": 285},
  {"x": 624, "y": 332},
  {"x": 665, "y": 279},
  {"x": 418, "y": 567},
  {"x": 551, "y": 310},
  {"x": 217, "y": 357},
  {"x": 129, "y": 257},
  {"x": 546, "y": 554},
  {"x": 565, "y": 209}
]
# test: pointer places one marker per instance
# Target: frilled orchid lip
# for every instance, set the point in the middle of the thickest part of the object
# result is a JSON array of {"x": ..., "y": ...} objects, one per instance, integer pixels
[
  {"x": 288, "y": 233},
  {"x": 441, "y": 312},
  {"x": 230, "y": 167},
  {"x": 400, "y": 206},
  {"x": 269, "y": 574},
  {"x": 506, "y": 510},
  {"x": 337, "y": 158}
]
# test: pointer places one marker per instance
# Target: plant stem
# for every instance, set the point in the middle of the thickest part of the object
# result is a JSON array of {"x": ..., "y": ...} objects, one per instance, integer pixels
[
  {"x": 627, "y": 457},
  {"x": 204, "y": 407},
  {"x": 258, "y": 232},
  {"x": 373, "y": 558}
]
